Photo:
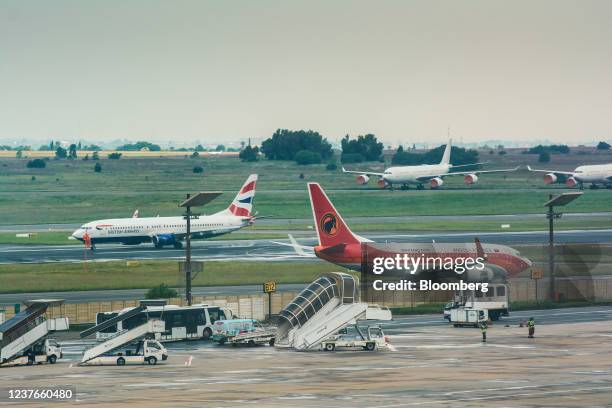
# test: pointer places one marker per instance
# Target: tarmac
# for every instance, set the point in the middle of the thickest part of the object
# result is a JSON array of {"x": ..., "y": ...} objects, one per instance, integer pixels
[
  {"x": 265, "y": 250},
  {"x": 567, "y": 364}
]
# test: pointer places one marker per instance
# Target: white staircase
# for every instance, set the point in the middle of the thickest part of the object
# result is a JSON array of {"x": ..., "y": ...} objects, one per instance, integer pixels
[
  {"x": 314, "y": 316},
  {"x": 123, "y": 338}
]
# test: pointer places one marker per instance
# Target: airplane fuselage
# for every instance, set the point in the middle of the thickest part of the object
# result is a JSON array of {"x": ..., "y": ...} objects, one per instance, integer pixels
[
  {"x": 413, "y": 174},
  {"x": 498, "y": 257},
  {"x": 139, "y": 230},
  {"x": 599, "y": 173}
]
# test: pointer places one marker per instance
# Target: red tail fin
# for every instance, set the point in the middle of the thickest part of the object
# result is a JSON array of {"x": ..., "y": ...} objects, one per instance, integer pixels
[{"x": 331, "y": 228}]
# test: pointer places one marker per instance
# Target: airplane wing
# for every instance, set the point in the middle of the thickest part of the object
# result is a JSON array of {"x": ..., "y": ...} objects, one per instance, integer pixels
[
  {"x": 465, "y": 173},
  {"x": 367, "y": 173},
  {"x": 567, "y": 173},
  {"x": 299, "y": 249}
]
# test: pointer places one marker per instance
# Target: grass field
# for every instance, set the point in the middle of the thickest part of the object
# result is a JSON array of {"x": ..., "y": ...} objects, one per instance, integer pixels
[
  {"x": 117, "y": 275},
  {"x": 576, "y": 260},
  {"x": 70, "y": 191}
]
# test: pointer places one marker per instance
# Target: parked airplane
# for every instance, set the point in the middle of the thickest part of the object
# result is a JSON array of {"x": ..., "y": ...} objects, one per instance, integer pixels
[
  {"x": 339, "y": 245},
  {"x": 424, "y": 173},
  {"x": 163, "y": 231},
  {"x": 595, "y": 174}
]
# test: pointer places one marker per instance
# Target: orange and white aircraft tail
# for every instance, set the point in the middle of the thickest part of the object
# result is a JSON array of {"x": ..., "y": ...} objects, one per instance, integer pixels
[{"x": 331, "y": 228}]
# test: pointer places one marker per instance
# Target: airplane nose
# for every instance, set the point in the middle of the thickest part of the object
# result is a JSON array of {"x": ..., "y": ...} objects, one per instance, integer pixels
[{"x": 78, "y": 234}]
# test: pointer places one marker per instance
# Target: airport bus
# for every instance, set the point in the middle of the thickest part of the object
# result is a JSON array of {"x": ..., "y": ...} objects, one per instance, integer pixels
[{"x": 182, "y": 322}]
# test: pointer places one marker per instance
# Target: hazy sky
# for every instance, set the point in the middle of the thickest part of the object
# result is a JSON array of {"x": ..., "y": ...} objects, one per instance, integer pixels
[{"x": 226, "y": 70}]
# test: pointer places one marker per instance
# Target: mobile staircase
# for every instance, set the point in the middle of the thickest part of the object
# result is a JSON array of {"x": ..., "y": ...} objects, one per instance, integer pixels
[
  {"x": 122, "y": 338},
  {"x": 30, "y": 327},
  {"x": 322, "y": 309}
]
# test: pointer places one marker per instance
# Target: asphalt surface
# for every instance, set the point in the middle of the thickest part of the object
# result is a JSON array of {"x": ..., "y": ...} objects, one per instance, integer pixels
[
  {"x": 369, "y": 219},
  {"x": 265, "y": 250}
]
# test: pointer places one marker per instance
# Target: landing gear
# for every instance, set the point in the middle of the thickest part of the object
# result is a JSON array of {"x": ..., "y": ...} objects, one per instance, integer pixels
[
  {"x": 178, "y": 245},
  {"x": 420, "y": 187},
  {"x": 593, "y": 186},
  {"x": 405, "y": 187}
]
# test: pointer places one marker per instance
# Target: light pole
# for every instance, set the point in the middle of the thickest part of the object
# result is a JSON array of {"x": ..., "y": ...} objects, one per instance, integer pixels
[
  {"x": 196, "y": 200},
  {"x": 555, "y": 201}
]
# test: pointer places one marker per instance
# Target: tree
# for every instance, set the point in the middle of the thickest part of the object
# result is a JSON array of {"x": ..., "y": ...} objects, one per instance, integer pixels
[
  {"x": 60, "y": 153},
  {"x": 332, "y": 166},
  {"x": 284, "y": 144},
  {"x": 199, "y": 148},
  {"x": 198, "y": 169},
  {"x": 367, "y": 146},
  {"x": 140, "y": 145},
  {"x": 72, "y": 151},
  {"x": 351, "y": 158},
  {"x": 19, "y": 154},
  {"x": 36, "y": 164},
  {"x": 95, "y": 156},
  {"x": 544, "y": 157},
  {"x": 161, "y": 291},
  {"x": 564, "y": 149},
  {"x": 51, "y": 145},
  {"x": 220, "y": 148},
  {"x": 98, "y": 168},
  {"x": 249, "y": 154},
  {"x": 114, "y": 156},
  {"x": 603, "y": 146},
  {"x": 195, "y": 155},
  {"x": 404, "y": 158},
  {"x": 305, "y": 157},
  {"x": 86, "y": 157}
]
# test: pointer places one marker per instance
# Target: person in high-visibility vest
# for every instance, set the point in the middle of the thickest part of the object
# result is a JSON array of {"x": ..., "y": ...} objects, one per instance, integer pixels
[
  {"x": 531, "y": 327},
  {"x": 483, "y": 330}
]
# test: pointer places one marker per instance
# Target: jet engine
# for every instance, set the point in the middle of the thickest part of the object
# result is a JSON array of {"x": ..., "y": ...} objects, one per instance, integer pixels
[
  {"x": 382, "y": 183},
  {"x": 363, "y": 179},
  {"x": 436, "y": 182},
  {"x": 470, "y": 178},
  {"x": 550, "y": 178},
  {"x": 163, "y": 239},
  {"x": 571, "y": 182}
]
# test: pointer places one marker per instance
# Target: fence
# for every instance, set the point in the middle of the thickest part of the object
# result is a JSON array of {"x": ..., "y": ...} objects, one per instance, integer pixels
[{"x": 256, "y": 306}]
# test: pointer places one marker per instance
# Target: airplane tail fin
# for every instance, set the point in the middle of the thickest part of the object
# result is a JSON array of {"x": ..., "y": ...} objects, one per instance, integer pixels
[
  {"x": 447, "y": 152},
  {"x": 331, "y": 228},
  {"x": 243, "y": 203}
]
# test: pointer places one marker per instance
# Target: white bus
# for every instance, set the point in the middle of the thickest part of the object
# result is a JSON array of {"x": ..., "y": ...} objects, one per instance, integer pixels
[{"x": 182, "y": 322}]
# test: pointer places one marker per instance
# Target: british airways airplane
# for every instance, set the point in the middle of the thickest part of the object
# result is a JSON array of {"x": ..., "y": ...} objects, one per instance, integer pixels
[{"x": 162, "y": 231}]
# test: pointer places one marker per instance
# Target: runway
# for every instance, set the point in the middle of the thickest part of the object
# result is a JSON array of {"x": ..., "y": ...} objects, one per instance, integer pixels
[
  {"x": 350, "y": 220},
  {"x": 256, "y": 250}
]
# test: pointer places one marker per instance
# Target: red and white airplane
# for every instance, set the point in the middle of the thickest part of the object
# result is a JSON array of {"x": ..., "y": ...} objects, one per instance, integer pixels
[
  {"x": 339, "y": 245},
  {"x": 163, "y": 231}
]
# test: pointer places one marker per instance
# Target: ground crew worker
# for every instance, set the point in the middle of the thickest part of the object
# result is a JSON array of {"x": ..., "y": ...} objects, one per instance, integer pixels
[
  {"x": 483, "y": 330},
  {"x": 531, "y": 327}
]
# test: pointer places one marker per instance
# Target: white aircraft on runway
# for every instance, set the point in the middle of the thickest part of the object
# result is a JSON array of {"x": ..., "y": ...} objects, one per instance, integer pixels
[
  {"x": 424, "y": 173},
  {"x": 163, "y": 231},
  {"x": 595, "y": 174}
]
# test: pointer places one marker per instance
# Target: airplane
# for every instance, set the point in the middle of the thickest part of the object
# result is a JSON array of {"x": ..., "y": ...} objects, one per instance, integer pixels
[
  {"x": 339, "y": 245},
  {"x": 424, "y": 173},
  {"x": 162, "y": 231},
  {"x": 595, "y": 174}
]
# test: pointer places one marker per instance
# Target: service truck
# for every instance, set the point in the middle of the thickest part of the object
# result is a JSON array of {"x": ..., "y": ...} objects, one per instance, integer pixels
[
  {"x": 494, "y": 301},
  {"x": 45, "y": 351},
  {"x": 139, "y": 352},
  {"x": 368, "y": 338},
  {"x": 463, "y": 316}
]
